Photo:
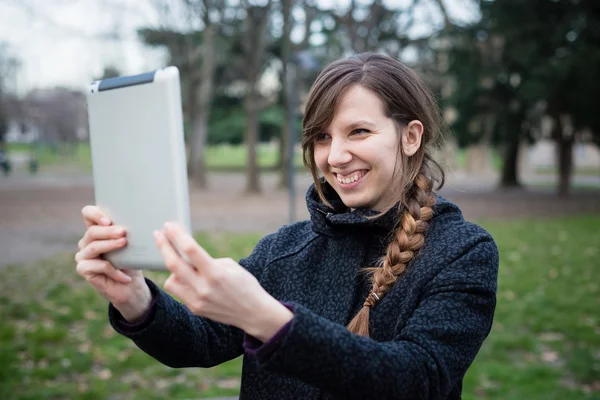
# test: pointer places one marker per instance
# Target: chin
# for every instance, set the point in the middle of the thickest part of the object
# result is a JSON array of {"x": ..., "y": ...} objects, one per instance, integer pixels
[{"x": 354, "y": 203}]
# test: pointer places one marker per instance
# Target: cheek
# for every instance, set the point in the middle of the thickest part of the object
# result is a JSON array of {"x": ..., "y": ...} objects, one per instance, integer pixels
[
  {"x": 321, "y": 154},
  {"x": 387, "y": 158}
]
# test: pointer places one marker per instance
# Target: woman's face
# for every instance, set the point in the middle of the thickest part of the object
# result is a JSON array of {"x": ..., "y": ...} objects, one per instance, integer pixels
[{"x": 358, "y": 151}]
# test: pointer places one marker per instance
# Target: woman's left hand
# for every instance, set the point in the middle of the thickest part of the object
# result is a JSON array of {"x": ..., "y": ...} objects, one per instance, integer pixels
[{"x": 218, "y": 289}]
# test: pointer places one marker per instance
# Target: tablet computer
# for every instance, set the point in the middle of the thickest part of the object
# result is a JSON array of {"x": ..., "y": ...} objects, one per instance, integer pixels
[{"x": 139, "y": 160}]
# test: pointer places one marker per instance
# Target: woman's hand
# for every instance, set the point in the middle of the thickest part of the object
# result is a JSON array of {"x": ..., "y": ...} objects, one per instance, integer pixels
[
  {"x": 218, "y": 289},
  {"x": 125, "y": 289}
]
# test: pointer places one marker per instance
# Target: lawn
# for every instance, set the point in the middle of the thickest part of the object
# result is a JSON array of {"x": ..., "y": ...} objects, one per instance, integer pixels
[
  {"x": 218, "y": 158},
  {"x": 545, "y": 343}
]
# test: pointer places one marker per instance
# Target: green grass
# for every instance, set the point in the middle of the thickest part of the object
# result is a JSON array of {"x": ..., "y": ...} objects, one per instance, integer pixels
[
  {"x": 545, "y": 342},
  {"x": 55, "y": 341},
  {"x": 461, "y": 159},
  {"x": 218, "y": 158},
  {"x": 236, "y": 157}
]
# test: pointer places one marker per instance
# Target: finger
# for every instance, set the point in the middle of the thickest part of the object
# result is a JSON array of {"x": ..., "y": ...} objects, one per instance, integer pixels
[
  {"x": 92, "y": 215},
  {"x": 99, "y": 232},
  {"x": 173, "y": 286},
  {"x": 91, "y": 268},
  {"x": 187, "y": 245},
  {"x": 173, "y": 261},
  {"x": 99, "y": 247}
]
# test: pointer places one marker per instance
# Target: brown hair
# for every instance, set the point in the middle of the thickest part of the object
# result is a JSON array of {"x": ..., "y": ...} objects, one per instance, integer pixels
[{"x": 405, "y": 99}]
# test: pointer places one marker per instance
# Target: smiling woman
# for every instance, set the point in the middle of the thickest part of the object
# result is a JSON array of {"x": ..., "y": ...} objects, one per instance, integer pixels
[{"x": 386, "y": 292}]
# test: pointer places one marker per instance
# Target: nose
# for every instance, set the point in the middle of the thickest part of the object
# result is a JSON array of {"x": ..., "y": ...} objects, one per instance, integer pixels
[{"x": 339, "y": 153}]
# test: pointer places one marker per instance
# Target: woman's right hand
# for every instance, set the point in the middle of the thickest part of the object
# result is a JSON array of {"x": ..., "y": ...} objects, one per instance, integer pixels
[{"x": 127, "y": 290}]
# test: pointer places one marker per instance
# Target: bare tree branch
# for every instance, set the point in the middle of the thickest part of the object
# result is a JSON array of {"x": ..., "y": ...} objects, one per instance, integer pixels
[{"x": 444, "y": 11}]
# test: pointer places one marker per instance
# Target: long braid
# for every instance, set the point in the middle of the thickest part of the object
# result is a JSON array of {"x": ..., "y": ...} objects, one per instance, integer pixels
[{"x": 409, "y": 239}]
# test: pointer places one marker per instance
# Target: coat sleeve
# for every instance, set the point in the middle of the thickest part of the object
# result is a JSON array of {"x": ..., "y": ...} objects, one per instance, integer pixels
[
  {"x": 426, "y": 359},
  {"x": 176, "y": 337}
]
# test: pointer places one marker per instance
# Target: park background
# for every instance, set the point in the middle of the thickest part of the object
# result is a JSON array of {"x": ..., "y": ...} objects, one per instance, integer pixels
[{"x": 517, "y": 82}]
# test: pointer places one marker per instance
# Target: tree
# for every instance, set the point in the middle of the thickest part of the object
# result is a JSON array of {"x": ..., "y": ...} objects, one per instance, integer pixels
[
  {"x": 547, "y": 53},
  {"x": 9, "y": 66},
  {"x": 210, "y": 15},
  {"x": 254, "y": 43},
  {"x": 194, "y": 52},
  {"x": 485, "y": 95},
  {"x": 288, "y": 48}
]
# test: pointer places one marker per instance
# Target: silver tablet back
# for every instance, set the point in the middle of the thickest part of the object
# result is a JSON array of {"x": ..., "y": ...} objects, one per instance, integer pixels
[{"x": 138, "y": 159}]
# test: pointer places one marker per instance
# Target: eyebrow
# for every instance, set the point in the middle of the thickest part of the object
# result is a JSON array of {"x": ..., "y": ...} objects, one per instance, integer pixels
[{"x": 359, "y": 124}]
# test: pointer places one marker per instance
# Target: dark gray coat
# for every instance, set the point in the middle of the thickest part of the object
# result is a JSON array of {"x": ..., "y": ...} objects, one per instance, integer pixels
[{"x": 424, "y": 333}]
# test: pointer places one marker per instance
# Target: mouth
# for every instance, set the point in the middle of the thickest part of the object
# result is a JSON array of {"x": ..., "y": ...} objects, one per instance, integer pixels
[{"x": 351, "y": 180}]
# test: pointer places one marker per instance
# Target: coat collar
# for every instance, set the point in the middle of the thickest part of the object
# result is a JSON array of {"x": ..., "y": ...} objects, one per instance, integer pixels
[{"x": 340, "y": 219}]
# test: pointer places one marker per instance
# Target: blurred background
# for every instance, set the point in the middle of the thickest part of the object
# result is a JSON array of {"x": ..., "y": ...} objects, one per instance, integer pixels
[{"x": 517, "y": 83}]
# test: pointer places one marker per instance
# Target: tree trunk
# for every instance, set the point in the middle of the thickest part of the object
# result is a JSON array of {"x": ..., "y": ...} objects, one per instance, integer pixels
[
  {"x": 253, "y": 183},
  {"x": 197, "y": 165},
  {"x": 510, "y": 169},
  {"x": 564, "y": 138},
  {"x": 254, "y": 45},
  {"x": 284, "y": 154},
  {"x": 565, "y": 165}
]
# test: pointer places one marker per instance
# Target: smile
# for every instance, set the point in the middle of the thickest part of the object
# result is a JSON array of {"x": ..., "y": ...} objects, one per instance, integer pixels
[{"x": 351, "y": 180}]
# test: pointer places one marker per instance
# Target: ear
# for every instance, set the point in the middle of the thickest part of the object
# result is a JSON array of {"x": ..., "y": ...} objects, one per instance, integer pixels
[{"x": 411, "y": 137}]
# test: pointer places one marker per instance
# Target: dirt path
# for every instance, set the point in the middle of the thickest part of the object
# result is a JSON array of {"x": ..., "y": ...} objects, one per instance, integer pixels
[{"x": 40, "y": 216}]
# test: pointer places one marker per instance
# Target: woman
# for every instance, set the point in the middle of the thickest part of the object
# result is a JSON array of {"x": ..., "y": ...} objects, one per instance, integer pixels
[{"x": 386, "y": 292}]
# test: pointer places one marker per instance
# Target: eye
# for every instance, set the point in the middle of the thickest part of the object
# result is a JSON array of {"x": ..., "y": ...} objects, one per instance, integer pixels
[
  {"x": 322, "y": 136},
  {"x": 360, "y": 131}
]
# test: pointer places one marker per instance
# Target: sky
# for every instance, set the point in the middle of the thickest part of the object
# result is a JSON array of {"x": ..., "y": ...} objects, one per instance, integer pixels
[{"x": 62, "y": 43}]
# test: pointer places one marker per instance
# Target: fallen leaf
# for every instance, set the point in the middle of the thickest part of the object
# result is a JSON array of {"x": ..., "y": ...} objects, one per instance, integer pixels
[
  {"x": 108, "y": 332},
  {"x": 83, "y": 387},
  {"x": 550, "y": 357},
  {"x": 551, "y": 336},
  {"x": 64, "y": 310},
  {"x": 161, "y": 384},
  {"x": 228, "y": 383},
  {"x": 122, "y": 356},
  {"x": 91, "y": 315},
  {"x": 105, "y": 374},
  {"x": 85, "y": 347}
]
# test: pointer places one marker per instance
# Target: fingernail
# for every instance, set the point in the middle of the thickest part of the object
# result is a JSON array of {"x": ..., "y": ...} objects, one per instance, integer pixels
[{"x": 105, "y": 221}]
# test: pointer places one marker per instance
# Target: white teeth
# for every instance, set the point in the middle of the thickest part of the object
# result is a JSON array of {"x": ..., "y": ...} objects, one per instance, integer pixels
[{"x": 350, "y": 179}]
